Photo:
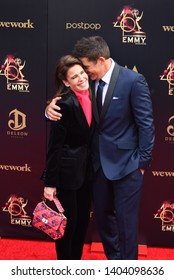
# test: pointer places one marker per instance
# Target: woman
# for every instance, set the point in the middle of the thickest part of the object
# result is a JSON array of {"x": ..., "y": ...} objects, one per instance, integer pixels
[{"x": 67, "y": 161}]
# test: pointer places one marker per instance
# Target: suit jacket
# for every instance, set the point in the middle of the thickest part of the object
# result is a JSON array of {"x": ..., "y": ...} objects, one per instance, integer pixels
[
  {"x": 67, "y": 154},
  {"x": 123, "y": 138}
]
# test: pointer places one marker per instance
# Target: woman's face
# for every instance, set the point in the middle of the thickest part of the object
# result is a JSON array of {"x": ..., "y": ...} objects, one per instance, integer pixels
[{"x": 77, "y": 79}]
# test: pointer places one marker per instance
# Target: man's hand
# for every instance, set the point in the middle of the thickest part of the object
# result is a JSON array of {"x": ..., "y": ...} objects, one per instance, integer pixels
[{"x": 51, "y": 110}]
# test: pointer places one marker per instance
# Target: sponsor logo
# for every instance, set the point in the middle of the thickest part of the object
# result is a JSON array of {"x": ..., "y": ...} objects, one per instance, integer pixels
[
  {"x": 83, "y": 25},
  {"x": 170, "y": 131},
  {"x": 134, "y": 68},
  {"x": 12, "y": 70},
  {"x": 166, "y": 214},
  {"x": 17, "y": 24},
  {"x": 18, "y": 168},
  {"x": 16, "y": 123},
  {"x": 168, "y": 76},
  {"x": 15, "y": 206},
  {"x": 129, "y": 22},
  {"x": 163, "y": 173},
  {"x": 168, "y": 28}
]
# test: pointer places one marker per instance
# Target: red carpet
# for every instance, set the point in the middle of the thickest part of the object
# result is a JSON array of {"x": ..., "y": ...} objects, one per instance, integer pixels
[{"x": 14, "y": 249}]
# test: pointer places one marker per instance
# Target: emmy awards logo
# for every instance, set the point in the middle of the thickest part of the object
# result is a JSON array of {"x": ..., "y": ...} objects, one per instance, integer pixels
[
  {"x": 166, "y": 215},
  {"x": 12, "y": 69},
  {"x": 168, "y": 75},
  {"x": 15, "y": 207},
  {"x": 129, "y": 22}
]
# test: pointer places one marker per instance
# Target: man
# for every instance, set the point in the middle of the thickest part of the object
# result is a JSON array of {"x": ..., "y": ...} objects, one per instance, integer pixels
[{"x": 123, "y": 140}]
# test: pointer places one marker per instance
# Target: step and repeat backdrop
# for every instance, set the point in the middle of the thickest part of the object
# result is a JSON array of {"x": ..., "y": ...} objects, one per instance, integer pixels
[{"x": 34, "y": 34}]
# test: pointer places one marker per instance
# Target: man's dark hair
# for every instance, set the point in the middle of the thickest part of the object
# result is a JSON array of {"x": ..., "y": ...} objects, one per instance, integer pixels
[{"x": 92, "y": 48}]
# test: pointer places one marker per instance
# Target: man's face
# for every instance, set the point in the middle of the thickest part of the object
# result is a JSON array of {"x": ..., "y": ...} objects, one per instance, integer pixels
[{"x": 93, "y": 68}]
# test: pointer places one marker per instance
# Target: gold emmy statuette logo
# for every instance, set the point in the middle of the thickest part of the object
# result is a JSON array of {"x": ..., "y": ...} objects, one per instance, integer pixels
[
  {"x": 168, "y": 76},
  {"x": 129, "y": 22},
  {"x": 12, "y": 70},
  {"x": 18, "y": 121},
  {"x": 166, "y": 215},
  {"x": 16, "y": 208}
]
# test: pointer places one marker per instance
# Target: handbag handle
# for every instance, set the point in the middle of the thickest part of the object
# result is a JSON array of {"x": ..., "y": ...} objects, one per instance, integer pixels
[{"x": 58, "y": 204}]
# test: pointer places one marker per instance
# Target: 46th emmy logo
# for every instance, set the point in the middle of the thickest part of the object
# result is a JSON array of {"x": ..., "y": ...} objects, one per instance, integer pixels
[
  {"x": 166, "y": 214},
  {"x": 129, "y": 22},
  {"x": 12, "y": 70},
  {"x": 15, "y": 207},
  {"x": 168, "y": 75}
]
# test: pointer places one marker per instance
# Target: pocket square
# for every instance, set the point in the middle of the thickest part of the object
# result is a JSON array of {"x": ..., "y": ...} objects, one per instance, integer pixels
[{"x": 115, "y": 97}]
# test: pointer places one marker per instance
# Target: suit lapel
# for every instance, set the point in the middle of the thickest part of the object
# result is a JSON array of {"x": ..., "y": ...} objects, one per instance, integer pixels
[
  {"x": 94, "y": 103},
  {"x": 109, "y": 94}
]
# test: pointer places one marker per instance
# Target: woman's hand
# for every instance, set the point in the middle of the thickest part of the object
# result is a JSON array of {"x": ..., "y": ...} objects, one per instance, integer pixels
[{"x": 49, "y": 193}]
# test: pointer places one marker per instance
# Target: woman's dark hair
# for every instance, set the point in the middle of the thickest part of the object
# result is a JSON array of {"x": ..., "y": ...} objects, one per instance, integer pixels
[{"x": 62, "y": 67}]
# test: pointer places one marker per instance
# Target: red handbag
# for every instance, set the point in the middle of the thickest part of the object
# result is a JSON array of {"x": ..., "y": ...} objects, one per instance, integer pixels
[{"x": 48, "y": 220}]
